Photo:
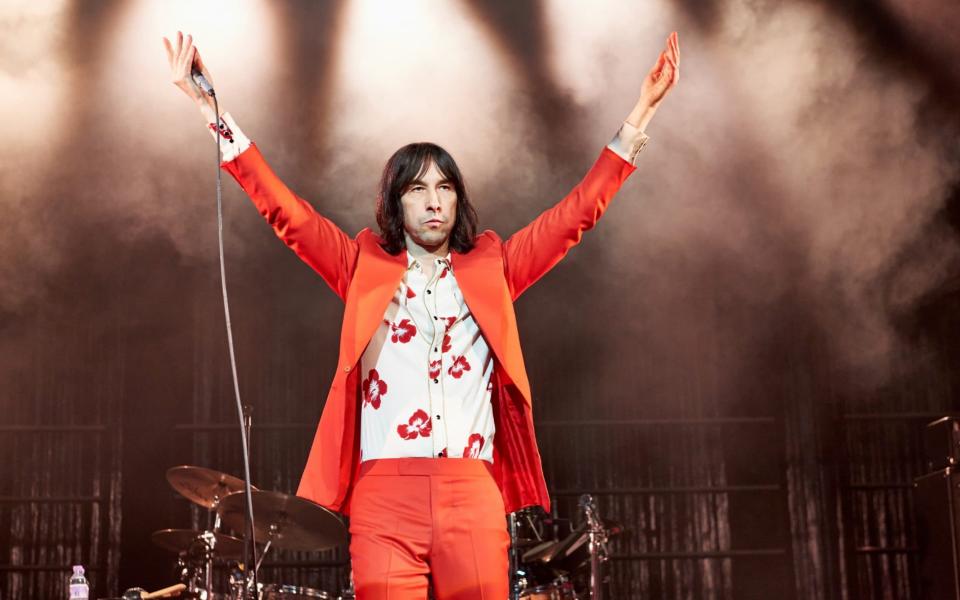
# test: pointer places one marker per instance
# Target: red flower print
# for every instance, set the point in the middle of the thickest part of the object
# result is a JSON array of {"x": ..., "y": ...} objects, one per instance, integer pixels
[
  {"x": 411, "y": 293},
  {"x": 450, "y": 321},
  {"x": 403, "y": 331},
  {"x": 443, "y": 453},
  {"x": 474, "y": 446},
  {"x": 373, "y": 389},
  {"x": 434, "y": 369},
  {"x": 445, "y": 347},
  {"x": 444, "y": 272},
  {"x": 459, "y": 365},
  {"x": 418, "y": 425}
]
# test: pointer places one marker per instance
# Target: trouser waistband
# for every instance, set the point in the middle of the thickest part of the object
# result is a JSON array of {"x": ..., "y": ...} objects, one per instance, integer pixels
[{"x": 463, "y": 467}]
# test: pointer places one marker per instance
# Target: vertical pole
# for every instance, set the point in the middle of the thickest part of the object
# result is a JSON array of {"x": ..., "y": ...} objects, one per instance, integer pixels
[{"x": 514, "y": 558}]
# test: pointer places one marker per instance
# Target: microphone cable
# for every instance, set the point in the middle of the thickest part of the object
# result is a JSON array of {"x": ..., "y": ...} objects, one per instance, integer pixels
[{"x": 251, "y": 547}]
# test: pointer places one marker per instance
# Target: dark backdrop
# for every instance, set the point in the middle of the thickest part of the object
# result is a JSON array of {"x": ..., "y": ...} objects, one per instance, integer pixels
[{"x": 738, "y": 361}]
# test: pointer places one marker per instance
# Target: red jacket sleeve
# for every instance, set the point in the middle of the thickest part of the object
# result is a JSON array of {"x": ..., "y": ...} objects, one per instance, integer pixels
[
  {"x": 535, "y": 249},
  {"x": 315, "y": 239}
]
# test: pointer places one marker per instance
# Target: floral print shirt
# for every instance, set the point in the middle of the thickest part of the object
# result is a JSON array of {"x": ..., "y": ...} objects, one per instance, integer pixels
[{"x": 426, "y": 374}]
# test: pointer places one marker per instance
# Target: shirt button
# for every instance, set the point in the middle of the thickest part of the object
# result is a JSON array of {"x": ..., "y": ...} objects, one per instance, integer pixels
[
  {"x": 439, "y": 454},
  {"x": 435, "y": 318},
  {"x": 435, "y": 350},
  {"x": 429, "y": 292},
  {"x": 438, "y": 417},
  {"x": 436, "y": 381}
]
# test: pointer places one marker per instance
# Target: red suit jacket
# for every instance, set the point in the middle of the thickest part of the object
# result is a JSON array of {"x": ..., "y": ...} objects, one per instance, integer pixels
[{"x": 491, "y": 277}]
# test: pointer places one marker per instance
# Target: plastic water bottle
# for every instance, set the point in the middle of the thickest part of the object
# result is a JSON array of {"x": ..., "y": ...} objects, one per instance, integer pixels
[{"x": 79, "y": 588}]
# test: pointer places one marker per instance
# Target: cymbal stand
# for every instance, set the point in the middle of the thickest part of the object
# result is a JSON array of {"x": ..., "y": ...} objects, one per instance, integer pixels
[
  {"x": 209, "y": 541},
  {"x": 515, "y": 575},
  {"x": 250, "y": 546},
  {"x": 274, "y": 530},
  {"x": 348, "y": 593},
  {"x": 241, "y": 580},
  {"x": 196, "y": 566},
  {"x": 213, "y": 519},
  {"x": 263, "y": 554},
  {"x": 596, "y": 545}
]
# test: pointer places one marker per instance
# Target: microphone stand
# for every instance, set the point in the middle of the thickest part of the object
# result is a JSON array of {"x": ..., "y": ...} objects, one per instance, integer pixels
[{"x": 250, "y": 549}]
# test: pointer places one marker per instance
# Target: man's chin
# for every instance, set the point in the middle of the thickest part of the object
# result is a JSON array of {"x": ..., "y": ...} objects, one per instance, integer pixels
[{"x": 431, "y": 242}]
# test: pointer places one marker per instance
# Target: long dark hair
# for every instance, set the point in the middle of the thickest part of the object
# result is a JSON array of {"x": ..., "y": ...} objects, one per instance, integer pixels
[{"x": 406, "y": 165}]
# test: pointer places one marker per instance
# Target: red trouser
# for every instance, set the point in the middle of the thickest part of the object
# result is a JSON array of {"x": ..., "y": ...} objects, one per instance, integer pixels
[{"x": 410, "y": 517}]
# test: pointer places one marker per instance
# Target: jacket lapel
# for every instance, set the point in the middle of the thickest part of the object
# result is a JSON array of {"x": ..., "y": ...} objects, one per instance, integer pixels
[
  {"x": 374, "y": 283},
  {"x": 480, "y": 276}
]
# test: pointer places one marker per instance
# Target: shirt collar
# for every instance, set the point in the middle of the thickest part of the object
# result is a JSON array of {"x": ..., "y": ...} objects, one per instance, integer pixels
[{"x": 413, "y": 263}]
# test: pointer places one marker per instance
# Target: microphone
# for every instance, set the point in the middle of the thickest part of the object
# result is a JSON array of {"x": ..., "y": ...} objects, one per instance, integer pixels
[{"x": 202, "y": 82}]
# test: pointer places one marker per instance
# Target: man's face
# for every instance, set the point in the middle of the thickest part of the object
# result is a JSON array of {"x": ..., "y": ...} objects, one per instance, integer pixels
[{"x": 429, "y": 210}]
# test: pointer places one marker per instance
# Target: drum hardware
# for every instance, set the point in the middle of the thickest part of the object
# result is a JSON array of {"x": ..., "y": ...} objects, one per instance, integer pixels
[
  {"x": 348, "y": 592},
  {"x": 596, "y": 545},
  {"x": 549, "y": 566},
  {"x": 200, "y": 549},
  {"x": 291, "y": 592},
  {"x": 182, "y": 540},
  {"x": 197, "y": 553},
  {"x": 282, "y": 520},
  {"x": 529, "y": 520},
  {"x": 513, "y": 557}
]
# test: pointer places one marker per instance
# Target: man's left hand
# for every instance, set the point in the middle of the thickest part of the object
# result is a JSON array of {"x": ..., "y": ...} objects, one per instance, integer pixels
[{"x": 659, "y": 81}]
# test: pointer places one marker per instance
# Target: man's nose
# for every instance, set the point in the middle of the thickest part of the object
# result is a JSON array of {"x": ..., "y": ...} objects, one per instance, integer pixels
[{"x": 433, "y": 200}]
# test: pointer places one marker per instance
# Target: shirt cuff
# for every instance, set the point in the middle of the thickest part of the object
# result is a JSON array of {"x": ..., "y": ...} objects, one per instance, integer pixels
[
  {"x": 232, "y": 140},
  {"x": 628, "y": 142}
]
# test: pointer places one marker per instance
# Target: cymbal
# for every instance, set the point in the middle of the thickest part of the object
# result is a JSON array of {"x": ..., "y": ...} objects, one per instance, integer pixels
[
  {"x": 290, "y": 522},
  {"x": 202, "y": 486},
  {"x": 551, "y": 551},
  {"x": 180, "y": 540},
  {"x": 540, "y": 552},
  {"x": 526, "y": 543}
]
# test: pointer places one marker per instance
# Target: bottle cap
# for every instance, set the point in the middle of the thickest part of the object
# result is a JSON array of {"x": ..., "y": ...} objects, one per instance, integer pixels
[{"x": 78, "y": 569}]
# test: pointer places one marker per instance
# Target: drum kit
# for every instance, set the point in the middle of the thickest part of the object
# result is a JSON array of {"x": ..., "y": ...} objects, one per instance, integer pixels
[
  {"x": 550, "y": 558},
  {"x": 553, "y": 559},
  {"x": 280, "y": 520}
]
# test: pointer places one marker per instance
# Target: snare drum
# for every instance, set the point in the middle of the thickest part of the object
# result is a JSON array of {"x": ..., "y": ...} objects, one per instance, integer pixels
[{"x": 291, "y": 592}]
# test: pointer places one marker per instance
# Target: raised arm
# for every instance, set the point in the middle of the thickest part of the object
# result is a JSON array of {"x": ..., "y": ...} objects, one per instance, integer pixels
[
  {"x": 314, "y": 238},
  {"x": 531, "y": 252}
]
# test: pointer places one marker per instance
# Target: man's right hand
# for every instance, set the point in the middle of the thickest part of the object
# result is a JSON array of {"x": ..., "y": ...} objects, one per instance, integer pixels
[{"x": 183, "y": 57}]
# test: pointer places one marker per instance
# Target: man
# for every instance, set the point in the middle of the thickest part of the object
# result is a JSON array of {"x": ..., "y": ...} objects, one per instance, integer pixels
[{"x": 426, "y": 438}]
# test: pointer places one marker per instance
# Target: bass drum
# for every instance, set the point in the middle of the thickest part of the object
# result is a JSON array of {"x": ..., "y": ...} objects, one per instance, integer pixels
[
  {"x": 553, "y": 591},
  {"x": 272, "y": 591}
]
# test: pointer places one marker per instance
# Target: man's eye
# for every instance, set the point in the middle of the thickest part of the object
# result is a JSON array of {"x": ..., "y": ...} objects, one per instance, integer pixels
[{"x": 446, "y": 187}]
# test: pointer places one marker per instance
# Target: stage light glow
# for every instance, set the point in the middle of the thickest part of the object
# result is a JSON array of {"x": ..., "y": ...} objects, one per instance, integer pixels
[
  {"x": 603, "y": 49},
  {"x": 31, "y": 73},
  {"x": 236, "y": 40},
  {"x": 419, "y": 70}
]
